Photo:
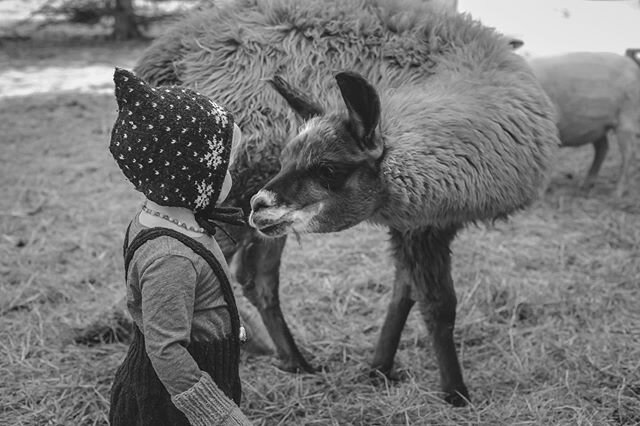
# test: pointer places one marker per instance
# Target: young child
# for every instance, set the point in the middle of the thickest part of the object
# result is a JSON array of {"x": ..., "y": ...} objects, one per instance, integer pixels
[{"x": 174, "y": 145}]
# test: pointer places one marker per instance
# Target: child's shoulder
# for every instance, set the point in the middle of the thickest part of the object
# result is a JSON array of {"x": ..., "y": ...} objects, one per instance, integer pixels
[
  {"x": 162, "y": 248},
  {"x": 166, "y": 247}
]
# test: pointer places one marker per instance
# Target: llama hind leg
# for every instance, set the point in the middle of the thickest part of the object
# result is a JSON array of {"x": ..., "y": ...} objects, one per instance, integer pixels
[
  {"x": 427, "y": 255},
  {"x": 397, "y": 313},
  {"x": 258, "y": 272}
]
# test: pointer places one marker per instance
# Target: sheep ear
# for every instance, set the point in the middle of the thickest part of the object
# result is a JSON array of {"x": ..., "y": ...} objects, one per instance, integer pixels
[
  {"x": 363, "y": 105},
  {"x": 514, "y": 42},
  {"x": 302, "y": 104},
  {"x": 634, "y": 54}
]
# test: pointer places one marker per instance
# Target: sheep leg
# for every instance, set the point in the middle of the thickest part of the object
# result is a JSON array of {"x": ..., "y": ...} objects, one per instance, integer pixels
[
  {"x": 625, "y": 144},
  {"x": 600, "y": 146},
  {"x": 397, "y": 313},
  {"x": 427, "y": 256},
  {"x": 258, "y": 272}
]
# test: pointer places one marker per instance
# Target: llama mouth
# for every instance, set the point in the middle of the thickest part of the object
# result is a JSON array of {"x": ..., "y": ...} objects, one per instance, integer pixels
[
  {"x": 278, "y": 221},
  {"x": 275, "y": 230}
]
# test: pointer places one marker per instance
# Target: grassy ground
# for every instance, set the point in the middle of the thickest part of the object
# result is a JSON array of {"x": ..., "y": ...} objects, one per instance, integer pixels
[{"x": 548, "y": 321}]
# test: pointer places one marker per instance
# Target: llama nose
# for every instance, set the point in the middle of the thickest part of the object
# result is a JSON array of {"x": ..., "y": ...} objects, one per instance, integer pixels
[{"x": 262, "y": 200}]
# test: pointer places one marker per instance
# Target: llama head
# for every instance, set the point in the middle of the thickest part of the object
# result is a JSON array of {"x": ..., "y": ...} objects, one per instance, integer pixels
[{"x": 329, "y": 178}]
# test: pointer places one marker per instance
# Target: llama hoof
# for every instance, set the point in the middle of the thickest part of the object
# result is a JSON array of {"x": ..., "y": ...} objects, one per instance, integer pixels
[{"x": 458, "y": 398}]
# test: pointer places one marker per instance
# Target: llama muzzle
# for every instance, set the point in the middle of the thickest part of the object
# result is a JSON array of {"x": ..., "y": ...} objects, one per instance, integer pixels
[{"x": 266, "y": 216}]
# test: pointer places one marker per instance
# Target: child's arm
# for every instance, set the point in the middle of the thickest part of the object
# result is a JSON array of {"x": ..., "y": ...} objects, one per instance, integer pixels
[{"x": 168, "y": 292}]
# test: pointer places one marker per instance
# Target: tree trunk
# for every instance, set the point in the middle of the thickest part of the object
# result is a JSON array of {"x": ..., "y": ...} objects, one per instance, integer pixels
[{"x": 125, "y": 26}]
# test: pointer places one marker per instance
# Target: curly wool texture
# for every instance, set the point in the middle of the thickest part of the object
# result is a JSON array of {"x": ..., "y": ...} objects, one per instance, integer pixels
[{"x": 480, "y": 153}]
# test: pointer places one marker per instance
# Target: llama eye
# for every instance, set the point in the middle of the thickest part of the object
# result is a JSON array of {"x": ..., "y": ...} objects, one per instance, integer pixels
[
  {"x": 326, "y": 172},
  {"x": 332, "y": 176}
]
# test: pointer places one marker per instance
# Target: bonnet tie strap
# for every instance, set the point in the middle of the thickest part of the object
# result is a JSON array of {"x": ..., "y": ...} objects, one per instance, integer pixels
[{"x": 229, "y": 215}]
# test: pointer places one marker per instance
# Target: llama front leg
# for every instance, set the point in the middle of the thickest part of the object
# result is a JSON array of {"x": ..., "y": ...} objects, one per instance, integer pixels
[
  {"x": 440, "y": 316},
  {"x": 258, "y": 272},
  {"x": 397, "y": 313},
  {"x": 426, "y": 254}
]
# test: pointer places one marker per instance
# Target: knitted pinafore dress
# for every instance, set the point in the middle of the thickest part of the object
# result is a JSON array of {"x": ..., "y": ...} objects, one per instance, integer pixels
[{"x": 138, "y": 397}]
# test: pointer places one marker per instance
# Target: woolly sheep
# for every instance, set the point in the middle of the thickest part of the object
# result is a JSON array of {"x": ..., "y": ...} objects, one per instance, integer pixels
[{"x": 597, "y": 98}]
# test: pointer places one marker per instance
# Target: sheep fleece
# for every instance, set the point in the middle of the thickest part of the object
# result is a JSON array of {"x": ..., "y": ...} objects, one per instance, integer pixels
[{"x": 593, "y": 92}]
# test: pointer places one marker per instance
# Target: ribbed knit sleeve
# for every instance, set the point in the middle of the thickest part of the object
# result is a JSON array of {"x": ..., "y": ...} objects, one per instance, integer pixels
[
  {"x": 168, "y": 292},
  {"x": 205, "y": 404}
]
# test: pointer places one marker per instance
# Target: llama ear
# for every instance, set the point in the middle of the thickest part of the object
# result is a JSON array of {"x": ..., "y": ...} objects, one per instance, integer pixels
[
  {"x": 363, "y": 104},
  {"x": 302, "y": 104}
]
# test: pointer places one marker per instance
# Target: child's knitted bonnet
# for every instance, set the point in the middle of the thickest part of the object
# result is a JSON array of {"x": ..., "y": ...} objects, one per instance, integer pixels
[{"x": 172, "y": 143}]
